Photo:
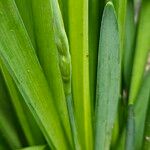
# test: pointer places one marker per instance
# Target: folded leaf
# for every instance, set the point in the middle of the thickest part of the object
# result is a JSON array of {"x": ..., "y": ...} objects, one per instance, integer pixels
[{"x": 108, "y": 78}]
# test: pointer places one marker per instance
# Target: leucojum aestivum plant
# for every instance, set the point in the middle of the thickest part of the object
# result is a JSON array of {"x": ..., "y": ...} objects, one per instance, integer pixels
[{"x": 74, "y": 75}]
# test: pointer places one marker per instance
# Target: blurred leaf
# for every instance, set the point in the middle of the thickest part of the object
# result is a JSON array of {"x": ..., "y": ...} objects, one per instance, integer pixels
[
  {"x": 40, "y": 147},
  {"x": 141, "y": 52},
  {"x": 108, "y": 78},
  {"x": 146, "y": 137},
  {"x": 7, "y": 118}
]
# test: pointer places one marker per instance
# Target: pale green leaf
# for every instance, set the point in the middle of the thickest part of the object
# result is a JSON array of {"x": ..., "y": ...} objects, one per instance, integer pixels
[{"x": 108, "y": 78}]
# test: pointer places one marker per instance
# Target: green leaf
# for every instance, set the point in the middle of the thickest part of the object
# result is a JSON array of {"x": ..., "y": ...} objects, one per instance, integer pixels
[
  {"x": 40, "y": 147},
  {"x": 22, "y": 111},
  {"x": 146, "y": 137},
  {"x": 95, "y": 13},
  {"x": 141, "y": 52},
  {"x": 3, "y": 144},
  {"x": 17, "y": 53},
  {"x": 52, "y": 54},
  {"x": 78, "y": 38},
  {"x": 25, "y": 10},
  {"x": 130, "y": 131},
  {"x": 140, "y": 110},
  {"x": 108, "y": 78},
  {"x": 64, "y": 10},
  {"x": 129, "y": 44},
  {"x": 141, "y": 107},
  {"x": 8, "y": 124},
  {"x": 120, "y": 7}
]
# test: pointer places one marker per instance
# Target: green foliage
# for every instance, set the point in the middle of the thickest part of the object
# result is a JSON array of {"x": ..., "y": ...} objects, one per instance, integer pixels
[{"x": 74, "y": 75}]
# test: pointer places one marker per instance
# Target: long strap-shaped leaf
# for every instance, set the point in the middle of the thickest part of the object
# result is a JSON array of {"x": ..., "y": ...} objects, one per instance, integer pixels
[
  {"x": 22, "y": 111},
  {"x": 20, "y": 59},
  {"x": 54, "y": 62},
  {"x": 78, "y": 38},
  {"x": 108, "y": 78},
  {"x": 140, "y": 111},
  {"x": 25, "y": 10},
  {"x": 146, "y": 136},
  {"x": 120, "y": 6},
  {"x": 129, "y": 44},
  {"x": 141, "y": 52},
  {"x": 95, "y": 13},
  {"x": 8, "y": 122}
]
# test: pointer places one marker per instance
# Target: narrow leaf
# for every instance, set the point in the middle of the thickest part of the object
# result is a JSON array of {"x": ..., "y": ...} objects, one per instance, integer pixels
[
  {"x": 108, "y": 78},
  {"x": 141, "y": 107},
  {"x": 22, "y": 111},
  {"x": 146, "y": 137},
  {"x": 7, "y": 118},
  {"x": 129, "y": 44},
  {"x": 25, "y": 10},
  {"x": 55, "y": 62},
  {"x": 78, "y": 38},
  {"x": 141, "y": 52},
  {"x": 95, "y": 13},
  {"x": 18, "y": 55}
]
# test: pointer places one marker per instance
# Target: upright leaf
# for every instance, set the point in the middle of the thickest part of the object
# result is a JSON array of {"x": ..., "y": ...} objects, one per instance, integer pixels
[
  {"x": 141, "y": 107},
  {"x": 55, "y": 64},
  {"x": 78, "y": 38},
  {"x": 8, "y": 122},
  {"x": 129, "y": 44},
  {"x": 141, "y": 52},
  {"x": 120, "y": 7},
  {"x": 146, "y": 137},
  {"x": 17, "y": 53},
  {"x": 22, "y": 111},
  {"x": 108, "y": 78},
  {"x": 95, "y": 14},
  {"x": 25, "y": 10}
]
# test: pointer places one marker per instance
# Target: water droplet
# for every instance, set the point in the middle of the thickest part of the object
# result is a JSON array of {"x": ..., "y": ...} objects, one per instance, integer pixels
[{"x": 28, "y": 70}]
